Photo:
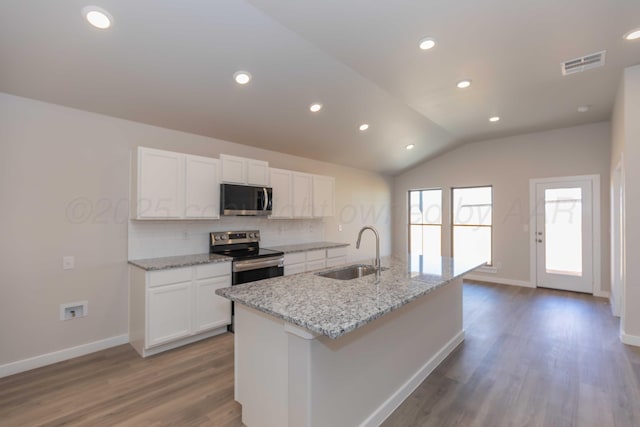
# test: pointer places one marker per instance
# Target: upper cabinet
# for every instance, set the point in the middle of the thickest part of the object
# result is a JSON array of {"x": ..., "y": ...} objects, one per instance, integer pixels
[
  {"x": 280, "y": 181},
  {"x": 302, "y": 193},
  {"x": 239, "y": 170},
  {"x": 323, "y": 195},
  {"x": 202, "y": 189},
  {"x": 170, "y": 185}
]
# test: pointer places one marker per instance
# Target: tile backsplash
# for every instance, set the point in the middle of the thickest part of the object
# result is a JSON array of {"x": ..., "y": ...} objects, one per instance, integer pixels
[{"x": 152, "y": 239}]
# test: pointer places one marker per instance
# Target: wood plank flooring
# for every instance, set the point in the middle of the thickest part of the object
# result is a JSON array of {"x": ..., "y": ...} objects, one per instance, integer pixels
[{"x": 532, "y": 357}]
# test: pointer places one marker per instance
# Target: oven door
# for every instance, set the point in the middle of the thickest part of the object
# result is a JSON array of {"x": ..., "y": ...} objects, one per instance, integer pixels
[{"x": 257, "y": 269}]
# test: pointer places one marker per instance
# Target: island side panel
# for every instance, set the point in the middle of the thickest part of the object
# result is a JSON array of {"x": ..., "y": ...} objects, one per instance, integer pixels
[
  {"x": 261, "y": 368},
  {"x": 292, "y": 379},
  {"x": 360, "y": 378}
]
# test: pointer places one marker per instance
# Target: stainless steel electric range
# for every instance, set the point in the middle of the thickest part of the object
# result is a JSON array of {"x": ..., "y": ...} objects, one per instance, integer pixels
[{"x": 250, "y": 262}]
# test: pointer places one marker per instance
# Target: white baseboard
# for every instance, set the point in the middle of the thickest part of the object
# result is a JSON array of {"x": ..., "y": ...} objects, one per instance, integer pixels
[
  {"x": 499, "y": 280},
  {"x": 390, "y": 405},
  {"x": 60, "y": 355},
  {"x": 629, "y": 339},
  {"x": 602, "y": 294}
]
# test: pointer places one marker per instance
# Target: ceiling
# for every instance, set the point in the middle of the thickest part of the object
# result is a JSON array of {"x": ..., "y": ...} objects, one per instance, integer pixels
[{"x": 170, "y": 63}]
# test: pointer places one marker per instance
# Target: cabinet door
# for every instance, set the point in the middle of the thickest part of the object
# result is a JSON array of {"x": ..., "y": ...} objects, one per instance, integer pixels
[
  {"x": 202, "y": 188},
  {"x": 160, "y": 184},
  {"x": 290, "y": 269},
  {"x": 323, "y": 195},
  {"x": 211, "y": 310},
  {"x": 281, "y": 184},
  {"x": 316, "y": 265},
  {"x": 168, "y": 313},
  {"x": 301, "y": 194},
  {"x": 233, "y": 169},
  {"x": 257, "y": 172}
]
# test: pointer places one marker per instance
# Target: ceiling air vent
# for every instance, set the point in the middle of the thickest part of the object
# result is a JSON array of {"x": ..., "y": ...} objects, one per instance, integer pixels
[{"x": 583, "y": 63}]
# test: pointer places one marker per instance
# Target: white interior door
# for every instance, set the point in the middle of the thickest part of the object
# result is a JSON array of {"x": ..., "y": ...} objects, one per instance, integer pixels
[{"x": 564, "y": 235}]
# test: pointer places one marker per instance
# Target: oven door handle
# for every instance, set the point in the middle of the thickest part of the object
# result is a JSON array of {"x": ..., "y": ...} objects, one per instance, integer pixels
[{"x": 257, "y": 264}]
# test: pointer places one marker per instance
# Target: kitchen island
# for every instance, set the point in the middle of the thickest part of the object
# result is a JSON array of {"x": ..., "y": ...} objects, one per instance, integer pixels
[{"x": 315, "y": 351}]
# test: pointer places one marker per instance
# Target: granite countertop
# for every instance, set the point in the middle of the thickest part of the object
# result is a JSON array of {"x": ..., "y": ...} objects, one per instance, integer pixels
[
  {"x": 335, "y": 307},
  {"x": 177, "y": 261},
  {"x": 303, "y": 247}
]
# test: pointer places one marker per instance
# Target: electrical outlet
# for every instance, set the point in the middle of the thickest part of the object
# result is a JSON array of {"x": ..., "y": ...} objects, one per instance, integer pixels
[
  {"x": 74, "y": 310},
  {"x": 339, "y": 227},
  {"x": 68, "y": 262}
]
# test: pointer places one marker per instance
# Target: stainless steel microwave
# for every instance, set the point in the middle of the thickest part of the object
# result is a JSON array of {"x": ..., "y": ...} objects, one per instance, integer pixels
[{"x": 245, "y": 200}]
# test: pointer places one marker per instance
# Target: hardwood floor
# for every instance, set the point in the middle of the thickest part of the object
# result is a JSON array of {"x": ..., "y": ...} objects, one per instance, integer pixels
[
  {"x": 532, "y": 357},
  {"x": 190, "y": 386}
]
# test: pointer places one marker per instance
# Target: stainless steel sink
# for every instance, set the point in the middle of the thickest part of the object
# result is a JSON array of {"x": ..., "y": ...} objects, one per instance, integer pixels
[{"x": 349, "y": 272}]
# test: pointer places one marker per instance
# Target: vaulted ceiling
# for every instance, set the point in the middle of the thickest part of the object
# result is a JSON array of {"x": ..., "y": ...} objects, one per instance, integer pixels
[{"x": 171, "y": 63}]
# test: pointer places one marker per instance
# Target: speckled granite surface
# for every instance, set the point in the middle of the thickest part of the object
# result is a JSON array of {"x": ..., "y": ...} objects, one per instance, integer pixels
[
  {"x": 303, "y": 247},
  {"x": 335, "y": 307},
  {"x": 177, "y": 261}
]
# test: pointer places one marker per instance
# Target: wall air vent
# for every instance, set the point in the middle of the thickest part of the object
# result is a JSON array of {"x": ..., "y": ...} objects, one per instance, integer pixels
[{"x": 583, "y": 63}]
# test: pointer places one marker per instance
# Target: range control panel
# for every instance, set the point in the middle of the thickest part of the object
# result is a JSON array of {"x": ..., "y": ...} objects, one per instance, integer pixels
[{"x": 232, "y": 237}]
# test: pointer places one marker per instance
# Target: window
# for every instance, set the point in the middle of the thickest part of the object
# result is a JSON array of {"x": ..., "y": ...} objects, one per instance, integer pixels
[
  {"x": 425, "y": 222},
  {"x": 472, "y": 223}
]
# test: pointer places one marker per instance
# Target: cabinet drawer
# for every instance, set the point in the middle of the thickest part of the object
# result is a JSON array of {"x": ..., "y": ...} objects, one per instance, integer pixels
[
  {"x": 294, "y": 258},
  {"x": 316, "y": 255},
  {"x": 290, "y": 269},
  {"x": 166, "y": 277},
  {"x": 315, "y": 265},
  {"x": 337, "y": 261},
  {"x": 336, "y": 252},
  {"x": 213, "y": 270}
]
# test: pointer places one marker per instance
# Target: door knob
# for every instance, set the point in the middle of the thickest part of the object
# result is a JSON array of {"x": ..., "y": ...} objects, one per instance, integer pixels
[{"x": 539, "y": 240}]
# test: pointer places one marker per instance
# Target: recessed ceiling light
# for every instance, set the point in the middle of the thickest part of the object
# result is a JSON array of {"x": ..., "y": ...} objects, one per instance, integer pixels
[
  {"x": 462, "y": 84},
  {"x": 315, "y": 107},
  {"x": 427, "y": 43},
  {"x": 633, "y": 34},
  {"x": 242, "y": 77},
  {"x": 97, "y": 17},
  {"x": 583, "y": 108},
  {"x": 364, "y": 126},
  {"x": 410, "y": 147},
  {"x": 494, "y": 119}
]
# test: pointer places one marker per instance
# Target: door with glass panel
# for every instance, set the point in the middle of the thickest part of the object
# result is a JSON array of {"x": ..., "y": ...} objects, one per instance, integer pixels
[{"x": 564, "y": 235}]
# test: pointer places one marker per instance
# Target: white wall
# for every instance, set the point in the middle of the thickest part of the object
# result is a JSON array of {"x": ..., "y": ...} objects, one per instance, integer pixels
[
  {"x": 508, "y": 164},
  {"x": 626, "y": 145},
  {"x": 64, "y": 190}
]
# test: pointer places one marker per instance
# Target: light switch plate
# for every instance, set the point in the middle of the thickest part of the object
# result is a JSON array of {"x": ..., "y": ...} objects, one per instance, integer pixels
[{"x": 68, "y": 262}]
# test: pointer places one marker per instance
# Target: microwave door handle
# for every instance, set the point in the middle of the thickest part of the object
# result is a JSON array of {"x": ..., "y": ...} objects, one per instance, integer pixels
[{"x": 266, "y": 198}]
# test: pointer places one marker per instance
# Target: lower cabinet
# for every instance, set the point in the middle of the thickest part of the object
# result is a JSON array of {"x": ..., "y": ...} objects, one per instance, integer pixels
[
  {"x": 317, "y": 259},
  {"x": 170, "y": 308}
]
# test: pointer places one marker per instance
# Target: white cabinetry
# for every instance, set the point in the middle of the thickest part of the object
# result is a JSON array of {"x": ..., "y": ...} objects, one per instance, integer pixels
[
  {"x": 301, "y": 194},
  {"x": 170, "y": 308},
  {"x": 316, "y": 259},
  {"x": 160, "y": 184},
  {"x": 170, "y": 185},
  {"x": 281, "y": 183},
  {"x": 336, "y": 257},
  {"x": 323, "y": 195},
  {"x": 202, "y": 189},
  {"x": 240, "y": 170}
]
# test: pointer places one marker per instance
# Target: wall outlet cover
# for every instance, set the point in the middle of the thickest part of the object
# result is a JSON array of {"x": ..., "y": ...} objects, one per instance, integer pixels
[{"x": 74, "y": 310}]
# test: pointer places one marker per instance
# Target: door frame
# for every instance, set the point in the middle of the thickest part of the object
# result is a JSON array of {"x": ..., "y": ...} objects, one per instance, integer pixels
[
  {"x": 618, "y": 240},
  {"x": 596, "y": 232}
]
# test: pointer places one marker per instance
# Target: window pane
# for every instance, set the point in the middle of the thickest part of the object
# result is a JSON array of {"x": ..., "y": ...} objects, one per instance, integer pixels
[
  {"x": 563, "y": 231},
  {"x": 426, "y": 240},
  {"x": 472, "y": 206},
  {"x": 472, "y": 243},
  {"x": 425, "y": 207}
]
